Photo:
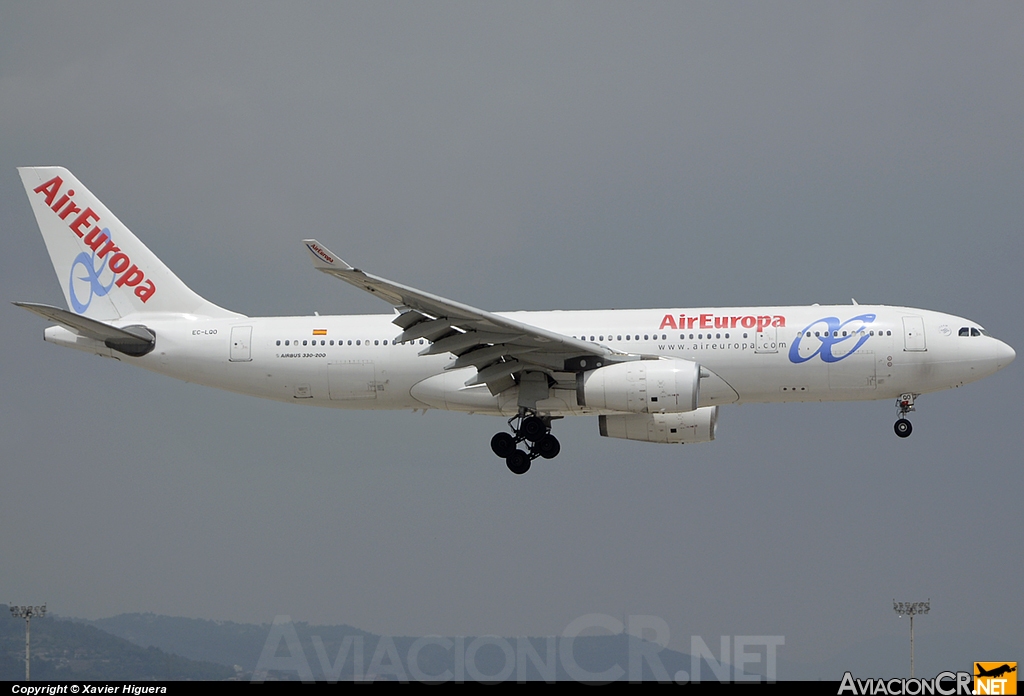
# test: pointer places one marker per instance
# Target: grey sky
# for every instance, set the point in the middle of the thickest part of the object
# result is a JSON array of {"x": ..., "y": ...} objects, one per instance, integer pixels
[{"x": 520, "y": 156}]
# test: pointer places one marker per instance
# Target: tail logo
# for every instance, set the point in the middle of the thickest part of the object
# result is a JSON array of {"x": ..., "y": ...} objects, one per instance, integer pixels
[
  {"x": 87, "y": 226},
  {"x": 92, "y": 276}
]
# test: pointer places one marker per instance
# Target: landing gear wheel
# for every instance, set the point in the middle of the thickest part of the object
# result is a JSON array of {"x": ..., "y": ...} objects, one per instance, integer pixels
[
  {"x": 503, "y": 444},
  {"x": 518, "y": 462},
  {"x": 903, "y": 427},
  {"x": 533, "y": 428},
  {"x": 548, "y": 446}
]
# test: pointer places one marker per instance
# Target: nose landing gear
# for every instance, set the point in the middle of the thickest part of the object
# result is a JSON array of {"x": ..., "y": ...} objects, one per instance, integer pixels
[
  {"x": 904, "y": 405},
  {"x": 531, "y": 428}
]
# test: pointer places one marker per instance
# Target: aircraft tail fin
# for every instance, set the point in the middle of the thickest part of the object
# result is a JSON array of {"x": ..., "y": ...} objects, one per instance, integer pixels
[{"x": 104, "y": 270}]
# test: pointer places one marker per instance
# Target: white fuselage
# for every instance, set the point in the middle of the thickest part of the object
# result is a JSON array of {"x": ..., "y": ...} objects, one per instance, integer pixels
[{"x": 756, "y": 354}]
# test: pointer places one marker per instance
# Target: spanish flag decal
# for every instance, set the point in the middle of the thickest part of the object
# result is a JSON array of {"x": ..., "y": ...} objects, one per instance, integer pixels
[{"x": 319, "y": 332}]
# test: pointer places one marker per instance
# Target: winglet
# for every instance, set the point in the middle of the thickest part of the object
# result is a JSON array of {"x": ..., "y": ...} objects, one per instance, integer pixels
[{"x": 324, "y": 258}]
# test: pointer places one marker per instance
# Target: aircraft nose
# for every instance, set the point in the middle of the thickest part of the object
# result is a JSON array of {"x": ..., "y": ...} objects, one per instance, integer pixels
[{"x": 1004, "y": 355}]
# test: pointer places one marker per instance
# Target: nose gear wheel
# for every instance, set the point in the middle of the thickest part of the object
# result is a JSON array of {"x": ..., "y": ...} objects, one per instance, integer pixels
[{"x": 904, "y": 405}]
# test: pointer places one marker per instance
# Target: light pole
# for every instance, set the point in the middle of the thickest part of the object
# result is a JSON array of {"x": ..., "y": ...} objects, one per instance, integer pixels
[
  {"x": 27, "y": 613},
  {"x": 911, "y": 609}
]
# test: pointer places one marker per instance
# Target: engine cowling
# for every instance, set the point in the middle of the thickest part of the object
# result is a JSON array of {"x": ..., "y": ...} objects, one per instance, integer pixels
[
  {"x": 671, "y": 428},
  {"x": 642, "y": 386}
]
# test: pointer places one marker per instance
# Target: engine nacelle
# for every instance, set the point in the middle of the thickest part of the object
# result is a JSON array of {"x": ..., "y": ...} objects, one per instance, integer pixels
[
  {"x": 642, "y": 386},
  {"x": 671, "y": 428}
]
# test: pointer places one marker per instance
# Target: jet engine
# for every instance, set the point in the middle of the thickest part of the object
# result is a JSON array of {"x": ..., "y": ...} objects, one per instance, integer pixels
[
  {"x": 641, "y": 386},
  {"x": 671, "y": 428}
]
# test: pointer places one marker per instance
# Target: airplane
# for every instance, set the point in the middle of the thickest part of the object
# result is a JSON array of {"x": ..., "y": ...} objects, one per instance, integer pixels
[
  {"x": 651, "y": 375},
  {"x": 1005, "y": 668}
]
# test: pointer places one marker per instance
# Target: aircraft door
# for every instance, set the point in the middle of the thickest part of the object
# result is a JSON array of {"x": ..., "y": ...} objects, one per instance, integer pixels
[
  {"x": 766, "y": 341},
  {"x": 241, "y": 344},
  {"x": 913, "y": 334},
  {"x": 855, "y": 371},
  {"x": 351, "y": 380}
]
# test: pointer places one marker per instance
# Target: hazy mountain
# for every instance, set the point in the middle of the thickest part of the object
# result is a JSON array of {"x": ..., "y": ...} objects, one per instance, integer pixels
[
  {"x": 69, "y": 649},
  {"x": 343, "y": 652}
]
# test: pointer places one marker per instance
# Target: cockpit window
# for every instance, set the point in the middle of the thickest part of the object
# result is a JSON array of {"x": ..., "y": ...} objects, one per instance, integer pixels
[
  {"x": 975, "y": 332},
  {"x": 964, "y": 331},
  {"x": 971, "y": 331}
]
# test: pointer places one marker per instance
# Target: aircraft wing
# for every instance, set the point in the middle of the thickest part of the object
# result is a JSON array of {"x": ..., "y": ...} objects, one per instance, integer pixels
[{"x": 497, "y": 346}]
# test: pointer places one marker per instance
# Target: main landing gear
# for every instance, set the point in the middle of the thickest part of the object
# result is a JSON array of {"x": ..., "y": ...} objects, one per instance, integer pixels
[
  {"x": 531, "y": 428},
  {"x": 904, "y": 405}
]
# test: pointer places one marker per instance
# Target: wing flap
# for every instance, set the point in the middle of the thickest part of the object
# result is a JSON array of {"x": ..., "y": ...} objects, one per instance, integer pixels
[
  {"x": 495, "y": 372},
  {"x": 430, "y": 329},
  {"x": 406, "y": 319}
]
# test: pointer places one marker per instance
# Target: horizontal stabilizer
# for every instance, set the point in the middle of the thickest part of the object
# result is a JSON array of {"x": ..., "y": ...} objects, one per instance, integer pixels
[{"x": 131, "y": 340}]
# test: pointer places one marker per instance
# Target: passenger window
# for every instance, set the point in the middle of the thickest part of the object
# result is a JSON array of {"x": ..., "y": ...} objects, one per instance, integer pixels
[{"x": 278, "y": 343}]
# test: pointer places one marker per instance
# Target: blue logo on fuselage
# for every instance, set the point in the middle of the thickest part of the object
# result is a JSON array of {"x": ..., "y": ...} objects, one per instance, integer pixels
[{"x": 832, "y": 337}]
